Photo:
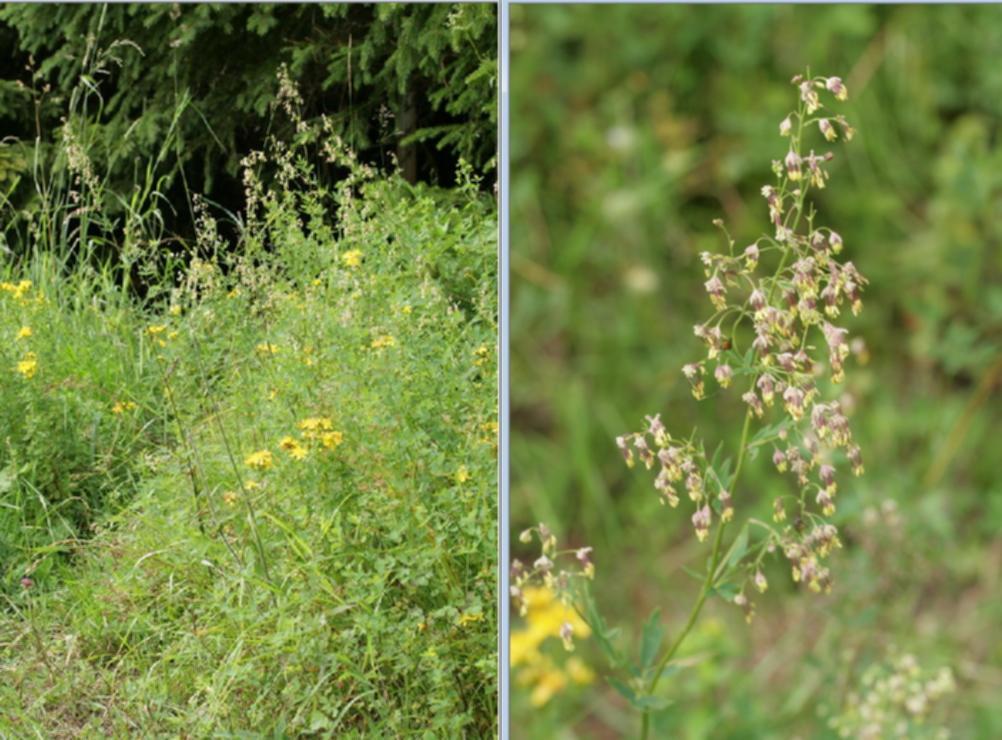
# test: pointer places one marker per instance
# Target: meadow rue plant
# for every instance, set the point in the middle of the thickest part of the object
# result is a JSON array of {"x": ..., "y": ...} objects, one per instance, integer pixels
[{"x": 773, "y": 333}]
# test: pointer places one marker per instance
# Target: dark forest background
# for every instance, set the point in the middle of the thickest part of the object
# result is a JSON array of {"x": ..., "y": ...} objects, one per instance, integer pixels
[{"x": 406, "y": 85}]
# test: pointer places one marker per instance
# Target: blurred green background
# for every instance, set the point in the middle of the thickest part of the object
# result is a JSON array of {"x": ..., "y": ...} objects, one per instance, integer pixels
[{"x": 632, "y": 128}]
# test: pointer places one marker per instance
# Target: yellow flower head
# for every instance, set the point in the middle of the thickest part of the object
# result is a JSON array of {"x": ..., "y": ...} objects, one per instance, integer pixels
[
  {"x": 462, "y": 475},
  {"x": 28, "y": 365},
  {"x": 547, "y": 617},
  {"x": 260, "y": 460},
  {"x": 314, "y": 426},
  {"x": 330, "y": 440},
  {"x": 352, "y": 258},
  {"x": 156, "y": 329},
  {"x": 481, "y": 355},
  {"x": 229, "y": 498},
  {"x": 383, "y": 341},
  {"x": 121, "y": 407},
  {"x": 19, "y": 290},
  {"x": 293, "y": 447},
  {"x": 24, "y": 332},
  {"x": 267, "y": 348}
]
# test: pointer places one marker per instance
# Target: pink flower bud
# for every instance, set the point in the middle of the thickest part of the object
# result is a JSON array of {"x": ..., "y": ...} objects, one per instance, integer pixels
[
  {"x": 837, "y": 88},
  {"x": 827, "y": 129}
]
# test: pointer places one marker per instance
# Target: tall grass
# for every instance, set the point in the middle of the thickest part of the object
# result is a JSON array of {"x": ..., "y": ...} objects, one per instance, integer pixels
[{"x": 259, "y": 498}]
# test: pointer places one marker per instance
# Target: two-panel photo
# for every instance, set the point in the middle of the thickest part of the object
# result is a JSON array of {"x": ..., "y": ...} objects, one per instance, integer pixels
[{"x": 478, "y": 370}]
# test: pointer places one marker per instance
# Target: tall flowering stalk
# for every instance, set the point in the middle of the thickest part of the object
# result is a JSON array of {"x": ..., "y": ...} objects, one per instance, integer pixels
[{"x": 772, "y": 333}]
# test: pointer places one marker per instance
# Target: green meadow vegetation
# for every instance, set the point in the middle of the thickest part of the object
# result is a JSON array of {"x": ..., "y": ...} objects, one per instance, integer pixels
[
  {"x": 247, "y": 470},
  {"x": 633, "y": 128}
]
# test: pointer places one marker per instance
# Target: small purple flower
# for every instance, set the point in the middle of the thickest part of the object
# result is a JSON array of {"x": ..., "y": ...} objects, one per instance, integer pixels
[
  {"x": 792, "y": 163},
  {"x": 837, "y": 88},
  {"x": 701, "y": 521},
  {"x": 827, "y": 129}
]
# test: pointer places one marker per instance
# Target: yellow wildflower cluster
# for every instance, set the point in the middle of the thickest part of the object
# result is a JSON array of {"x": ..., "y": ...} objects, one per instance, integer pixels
[
  {"x": 121, "y": 407},
  {"x": 28, "y": 365},
  {"x": 352, "y": 258},
  {"x": 321, "y": 429},
  {"x": 267, "y": 348},
  {"x": 383, "y": 341},
  {"x": 547, "y": 617},
  {"x": 18, "y": 291},
  {"x": 260, "y": 460},
  {"x": 294, "y": 447},
  {"x": 156, "y": 334},
  {"x": 481, "y": 355}
]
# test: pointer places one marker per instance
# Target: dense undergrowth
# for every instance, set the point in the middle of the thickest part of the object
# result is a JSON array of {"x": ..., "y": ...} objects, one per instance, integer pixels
[{"x": 262, "y": 497}]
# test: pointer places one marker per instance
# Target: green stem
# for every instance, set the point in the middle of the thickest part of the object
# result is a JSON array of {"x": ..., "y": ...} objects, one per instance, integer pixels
[
  {"x": 711, "y": 571},
  {"x": 707, "y": 584}
]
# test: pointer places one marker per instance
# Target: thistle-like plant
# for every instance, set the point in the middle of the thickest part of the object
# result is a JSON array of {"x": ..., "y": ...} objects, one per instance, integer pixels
[{"x": 772, "y": 333}]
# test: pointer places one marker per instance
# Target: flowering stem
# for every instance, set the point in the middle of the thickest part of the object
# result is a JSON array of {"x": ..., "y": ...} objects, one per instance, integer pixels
[{"x": 707, "y": 583}]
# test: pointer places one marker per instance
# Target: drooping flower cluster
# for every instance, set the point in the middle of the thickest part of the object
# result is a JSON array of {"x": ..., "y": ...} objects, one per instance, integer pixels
[
  {"x": 775, "y": 331},
  {"x": 544, "y": 572},
  {"x": 681, "y": 465}
]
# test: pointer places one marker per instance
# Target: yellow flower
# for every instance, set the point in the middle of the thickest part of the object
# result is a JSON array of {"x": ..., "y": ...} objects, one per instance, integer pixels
[
  {"x": 260, "y": 460},
  {"x": 24, "y": 332},
  {"x": 548, "y": 683},
  {"x": 291, "y": 445},
  {"x": 230, "y": 498},
  {"x": 330, "y": 440},
  {"x": 121, "y": 407},
  {"x": 316, "y": 424},
  {"x": 545, "y": 615},
  {"x": 481, "y": 353},
  {"x": 28, "y": 365},
  {"x": 490, "y": 430},
  {"x": 579, "y": 672},
  {"x": 383, "y": 341},
  {"x": 407, "y": 309},
  {"x": 352, "y": 258},
  {"x": 468, "y": 618},
  {"x": 19, "y": 290},
  {"x": 154, "y": 333},
  {"x": 175, "y": 310},
  {"x": 267, "y": 348},
  {"x": 523, "y": 647},
  {"x": 462, "y": 475}
]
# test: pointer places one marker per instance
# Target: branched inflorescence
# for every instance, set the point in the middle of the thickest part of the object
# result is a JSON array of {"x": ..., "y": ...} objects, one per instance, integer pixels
[
  {"x": 773, "y": 333},
  {"x": 777, "y": 332}
]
